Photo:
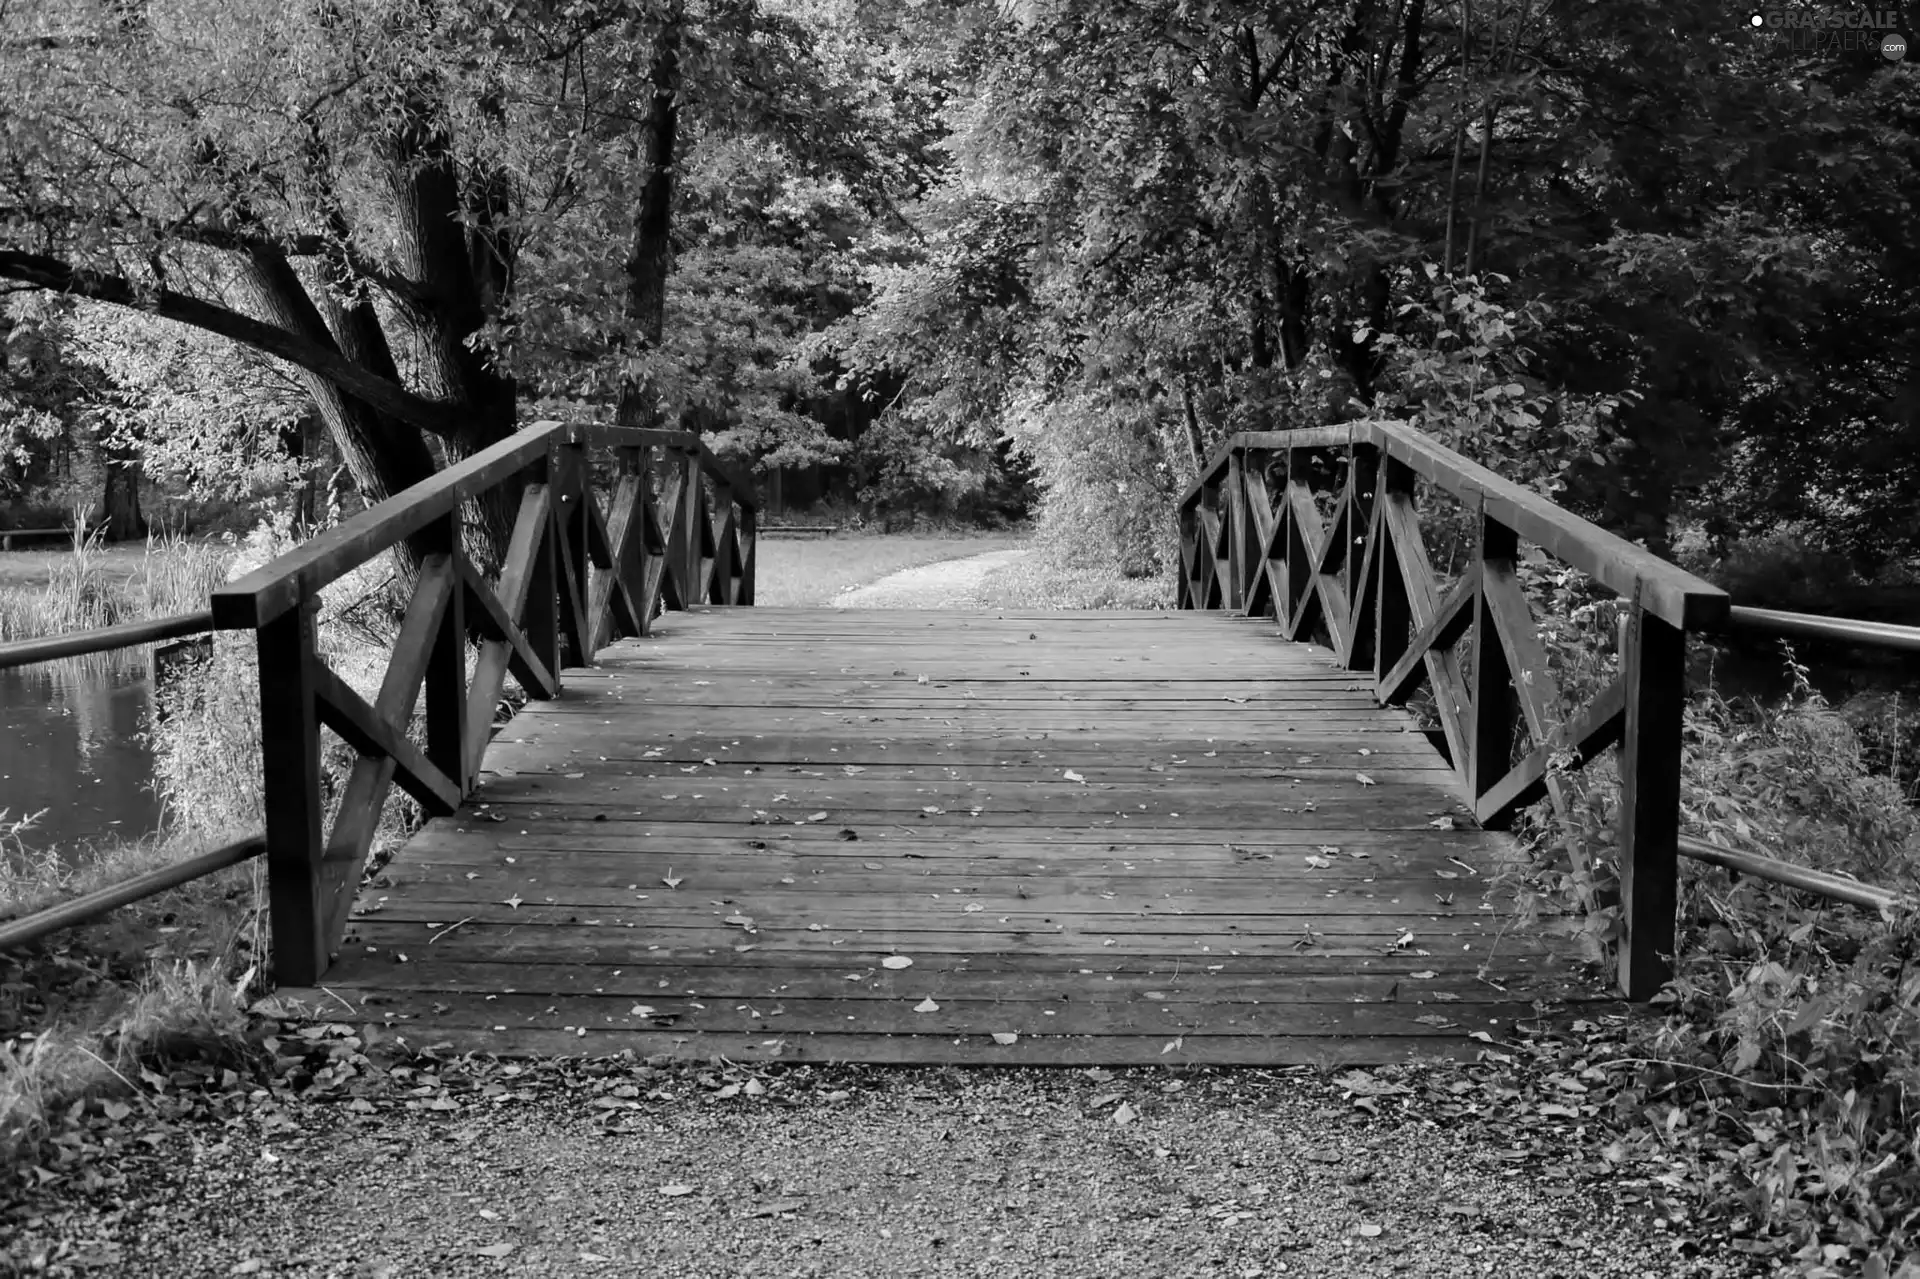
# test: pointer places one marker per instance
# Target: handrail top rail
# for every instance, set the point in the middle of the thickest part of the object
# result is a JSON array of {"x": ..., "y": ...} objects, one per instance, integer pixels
[
  {"x": 282, "y": 583},
  {"x": 104, "y": 639},
  {"x": 1632, "y": 572},
  {"x": 641, "y": 436}
]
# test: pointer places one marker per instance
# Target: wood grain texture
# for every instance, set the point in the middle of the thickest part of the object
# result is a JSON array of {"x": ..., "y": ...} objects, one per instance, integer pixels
[{"x": 1101, "y": 833}]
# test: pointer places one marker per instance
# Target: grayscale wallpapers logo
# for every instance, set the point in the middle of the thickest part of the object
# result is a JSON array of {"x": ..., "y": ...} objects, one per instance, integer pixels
[{"x": 1835, "y": 30}]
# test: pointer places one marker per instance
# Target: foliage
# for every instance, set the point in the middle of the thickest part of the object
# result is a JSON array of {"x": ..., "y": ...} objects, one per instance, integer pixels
[{"x": 1263, "y": 216}]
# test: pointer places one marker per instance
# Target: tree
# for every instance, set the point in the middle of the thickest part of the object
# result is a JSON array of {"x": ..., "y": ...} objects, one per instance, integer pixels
[
  {"x": 416, "y": 206},
  {"x": 1224, "y": 213}
]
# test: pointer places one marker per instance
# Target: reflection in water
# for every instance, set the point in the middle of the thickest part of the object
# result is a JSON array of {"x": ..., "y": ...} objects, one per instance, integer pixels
[{"x": 70, "y": 743}]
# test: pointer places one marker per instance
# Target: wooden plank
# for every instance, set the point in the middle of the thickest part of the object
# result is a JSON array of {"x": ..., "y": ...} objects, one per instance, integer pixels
[
  {"x": 1450, "y": 620},
  {"x": 954, "y": 1013},
  {"x": 1596, "y": 727},
  {"x": 969, "y": 1050},
  {"x": 742, "y": 978},
  {"x": 343, "y": 710},
  {"x": 491, "y": 618}
]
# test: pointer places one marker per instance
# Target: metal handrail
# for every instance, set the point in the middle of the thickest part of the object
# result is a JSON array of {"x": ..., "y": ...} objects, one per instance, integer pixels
[
  {"x": 80, "y": 910},
  {"x": 1845, "y": 630},
  {"x": 105, "y": 639}
]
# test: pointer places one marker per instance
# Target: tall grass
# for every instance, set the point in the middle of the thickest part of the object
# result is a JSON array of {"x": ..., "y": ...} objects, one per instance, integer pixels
[
  {"x": 88, "y": 589},
  {"x": 158, "y": 977}
]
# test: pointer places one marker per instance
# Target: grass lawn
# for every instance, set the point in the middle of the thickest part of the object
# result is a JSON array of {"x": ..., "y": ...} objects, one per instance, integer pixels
[
  {"x": 810, "y": 571},
  {"x": 34, "y": 568},
  {"x": 1038, "y": 582}
]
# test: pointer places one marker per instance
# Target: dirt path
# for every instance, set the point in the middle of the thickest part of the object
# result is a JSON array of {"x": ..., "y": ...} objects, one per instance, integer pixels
[
  {"x": 622, "y": 1169},
  {"x": 948, "y": 584}
]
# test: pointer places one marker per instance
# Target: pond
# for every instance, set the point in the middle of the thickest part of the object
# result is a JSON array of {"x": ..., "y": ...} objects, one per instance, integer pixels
[{"x": 72, "y": 742}]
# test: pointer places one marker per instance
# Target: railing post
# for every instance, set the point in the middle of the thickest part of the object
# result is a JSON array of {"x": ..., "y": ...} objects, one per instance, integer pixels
[
  {"x": 694, "y": 513},
  {"x": 1393, "y": 620},
  {"x": 1490, "y": 739},
  {"x": 1650, "y": 758},
  {"x": 445, "y": 691},
  {"x": 749, "y": 552},
  {"x": 540, "y": 621},
  {"x": 1236, "y": 495},
  {"x": 290, "y": 794},
  {"x": 1363, "y": 473},
  {"x": 720, "y": 590},
  {"x": 1189, "y": 556},
  {"x": 1299, "y": 571},
  {"x": 574, "y": 567}
]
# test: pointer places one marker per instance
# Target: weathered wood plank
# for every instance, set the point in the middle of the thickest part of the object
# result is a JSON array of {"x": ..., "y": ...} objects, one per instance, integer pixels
[{"x": 1290, "y": 910}]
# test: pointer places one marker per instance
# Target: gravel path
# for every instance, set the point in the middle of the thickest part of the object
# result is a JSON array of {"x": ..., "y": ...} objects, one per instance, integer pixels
[
  {"x": 852, "y": 1173},
  {"x": 948, "y": 584}
]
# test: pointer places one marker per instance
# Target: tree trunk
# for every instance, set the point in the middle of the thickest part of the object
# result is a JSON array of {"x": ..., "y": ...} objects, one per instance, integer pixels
[
  {"x": 120, "y": 517},
  {"x": 383, "y": 455},
  {"x": 652, "y": 256}
]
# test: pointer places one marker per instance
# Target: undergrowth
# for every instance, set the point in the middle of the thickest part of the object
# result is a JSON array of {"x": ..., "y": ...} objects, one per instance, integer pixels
[
  {"x": 1780, "y": 1074},
  {"x": 83, "y": 1012}
]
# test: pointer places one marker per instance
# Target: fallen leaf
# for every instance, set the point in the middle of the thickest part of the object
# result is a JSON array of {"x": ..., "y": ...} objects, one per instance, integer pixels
[
  {"x": 495, "y": 1250},
  {"x": 777, "y": 1207},
  {"x": 672, "y": 880},
  {"x": 744, "y": 921},
  {"x": 1072, "y": 776},
  {"x": 514, "y": 901},
  {"x": 1125, "y": 1114},
  {"x": 1425, "y": 974},
  {"x": 1364, "y": 780},
  {"x": 926, "y": 1006},
  {"x": 676, "y": 1190},
  {"x": 1174, "y": 1045},
  {"x": 1369, "y": 1231},
  {"x": 971, "y": 907},
  {"x": 818, "y": 817},
  {"x": 1318, "y": 863},
  {"x": 896, "y": 962},
  {"x": 1005, "y": 1037},
  {"x": 642, "y": 1010}
]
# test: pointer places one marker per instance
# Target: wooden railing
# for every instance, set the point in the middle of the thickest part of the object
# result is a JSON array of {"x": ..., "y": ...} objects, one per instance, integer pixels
[
  {"x": 1254, "y": 539},
  {"x": 677, "y": 529}
]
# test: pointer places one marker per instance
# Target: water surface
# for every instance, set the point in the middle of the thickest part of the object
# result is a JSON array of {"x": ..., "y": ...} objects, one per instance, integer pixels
[{"x": 71, "y": 742}]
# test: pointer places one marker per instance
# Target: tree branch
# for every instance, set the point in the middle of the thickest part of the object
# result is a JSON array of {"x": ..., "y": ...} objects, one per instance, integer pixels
[{"x": 377, "y": 392}]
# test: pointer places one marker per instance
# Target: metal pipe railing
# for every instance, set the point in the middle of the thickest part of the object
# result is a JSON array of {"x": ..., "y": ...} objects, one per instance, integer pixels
[
  {"x": 81, "y": 910},
  {"x": 105, "y": 639}
]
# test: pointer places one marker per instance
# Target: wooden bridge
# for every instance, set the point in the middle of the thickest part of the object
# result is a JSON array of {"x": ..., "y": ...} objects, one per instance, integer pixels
[{"x": 994, "y": 837}]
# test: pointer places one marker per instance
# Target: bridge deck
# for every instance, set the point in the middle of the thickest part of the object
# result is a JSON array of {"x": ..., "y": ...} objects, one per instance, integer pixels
[{"x": 1121, "y": 837}]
